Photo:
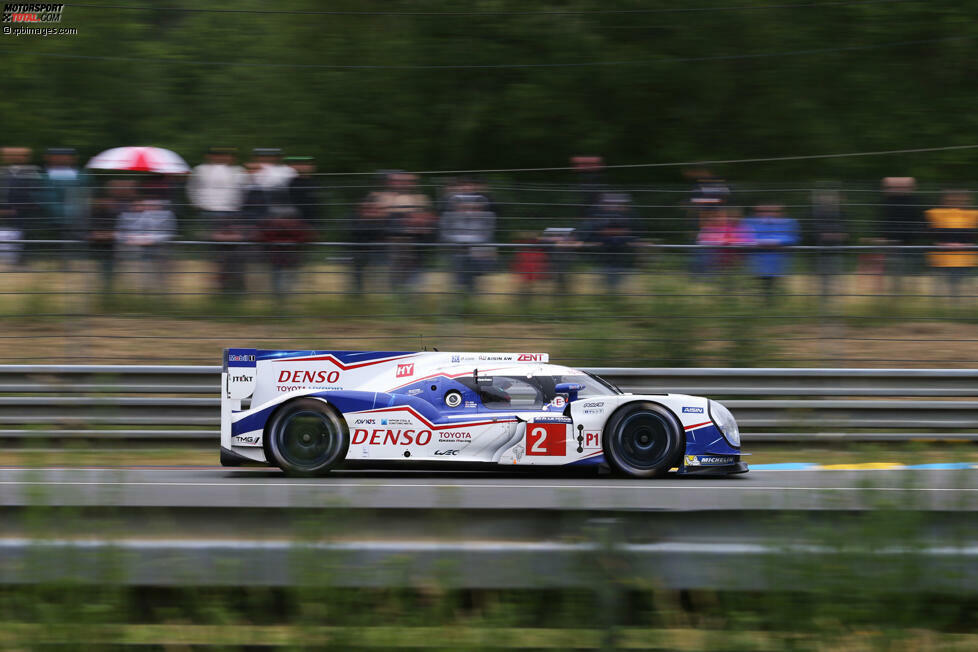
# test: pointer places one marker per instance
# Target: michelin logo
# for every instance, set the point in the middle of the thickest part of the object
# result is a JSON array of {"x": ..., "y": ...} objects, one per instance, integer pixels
[
  {"x": 709, "y": 460},
  {"x": 692, "y": 410}
]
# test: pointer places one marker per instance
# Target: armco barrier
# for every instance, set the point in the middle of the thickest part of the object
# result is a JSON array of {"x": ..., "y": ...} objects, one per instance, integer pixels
[{"x": 179, "y": 404}]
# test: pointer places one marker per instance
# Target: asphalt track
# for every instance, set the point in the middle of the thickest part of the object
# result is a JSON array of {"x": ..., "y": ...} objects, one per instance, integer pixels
[{"x": 215, "y": 487}]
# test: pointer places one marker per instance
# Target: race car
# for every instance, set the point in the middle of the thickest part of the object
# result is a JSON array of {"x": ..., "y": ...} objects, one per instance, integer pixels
[{"x": 309, "y": 412}]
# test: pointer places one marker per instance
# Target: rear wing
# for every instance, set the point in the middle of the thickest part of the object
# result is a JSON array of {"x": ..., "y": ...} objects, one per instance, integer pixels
[
  {"x": 239, "y": 375},
  {"x": 239, "y": 378}
]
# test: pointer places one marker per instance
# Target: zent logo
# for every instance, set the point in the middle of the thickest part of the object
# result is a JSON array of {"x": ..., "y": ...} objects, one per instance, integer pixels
[
  {"x": 405, "y": 370},
  {"x": 530, "y": 357},
  {"x": 546, "y": 439}
]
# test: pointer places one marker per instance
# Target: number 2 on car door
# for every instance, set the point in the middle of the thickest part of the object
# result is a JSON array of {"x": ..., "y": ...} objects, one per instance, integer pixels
[{"x": 547, "y": 439}]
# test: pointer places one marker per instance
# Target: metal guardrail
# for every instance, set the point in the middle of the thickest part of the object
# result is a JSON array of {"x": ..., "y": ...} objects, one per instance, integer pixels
[
  {"x": 479, "y": 565},
  {"x": 180, "y": 403},
  {"x": 255, "y": 545}
]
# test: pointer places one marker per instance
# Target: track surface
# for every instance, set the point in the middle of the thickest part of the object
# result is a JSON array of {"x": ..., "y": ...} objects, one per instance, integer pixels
[{"x": 230, "y": 488}]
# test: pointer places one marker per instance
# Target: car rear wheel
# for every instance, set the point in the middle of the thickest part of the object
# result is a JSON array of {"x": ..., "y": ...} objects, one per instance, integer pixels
[
  {"x": 306, "y": 437},
  {"x": 643, "y": 440}
]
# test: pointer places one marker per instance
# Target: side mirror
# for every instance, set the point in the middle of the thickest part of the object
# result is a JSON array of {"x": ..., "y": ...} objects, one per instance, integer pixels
[{"x": 571, "y": 389}]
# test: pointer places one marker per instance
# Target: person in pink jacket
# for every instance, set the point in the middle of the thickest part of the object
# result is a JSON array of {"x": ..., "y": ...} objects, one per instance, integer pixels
[{"x": 721, "y": 228}]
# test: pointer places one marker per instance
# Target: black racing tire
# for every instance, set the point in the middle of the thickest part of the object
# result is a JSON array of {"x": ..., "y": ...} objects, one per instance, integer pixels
[
  {"x": 306, "y": 437},
  {"x": 643, "y": 440}
]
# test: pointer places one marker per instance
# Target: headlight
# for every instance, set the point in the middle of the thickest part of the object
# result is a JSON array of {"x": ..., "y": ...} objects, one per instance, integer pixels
[{"x": 725, "y": 422}]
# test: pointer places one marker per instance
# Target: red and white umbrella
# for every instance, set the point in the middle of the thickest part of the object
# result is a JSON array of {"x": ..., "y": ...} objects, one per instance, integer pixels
[{"x": 140, "y": 159}]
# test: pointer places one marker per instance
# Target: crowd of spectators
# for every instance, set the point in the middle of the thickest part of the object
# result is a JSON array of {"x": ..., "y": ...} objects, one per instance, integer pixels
[{"x": 265, "y": 211}]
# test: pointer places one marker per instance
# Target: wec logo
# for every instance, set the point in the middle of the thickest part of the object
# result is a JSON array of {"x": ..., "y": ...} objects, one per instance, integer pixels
[{"x": 405, "y": 370}]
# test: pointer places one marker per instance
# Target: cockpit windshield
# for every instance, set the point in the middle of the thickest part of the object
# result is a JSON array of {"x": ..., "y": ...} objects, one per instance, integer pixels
[{"x": 531, "y": 392}]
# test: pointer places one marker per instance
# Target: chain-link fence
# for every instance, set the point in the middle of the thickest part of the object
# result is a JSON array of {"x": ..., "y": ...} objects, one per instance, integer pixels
[{"x": 130, "y": 268}]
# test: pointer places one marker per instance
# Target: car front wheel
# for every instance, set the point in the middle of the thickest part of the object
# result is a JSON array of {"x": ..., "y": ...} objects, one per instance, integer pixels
[{"x": 643, "y": 440}]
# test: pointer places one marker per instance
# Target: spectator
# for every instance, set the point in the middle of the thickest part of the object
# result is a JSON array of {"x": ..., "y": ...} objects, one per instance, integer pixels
[
  {"x": 216, "y": 189},
  {"x": 768, "y": 231},
  {"x": 283, "y": 231},
  {"x": 461, "y": 191},
  {"x": 471, "y": 227},
  {"x": 142, "y": 233},
  {"x": 410, "y": 223},
  {"x": 591, "y": 186},
  {"x": 9, "y": 247},
  {"x": 101, "y": 232},
  {"x": 256, "y": 199},
  {"x": 65, "y": 196},
  {"x": 721, "y": 229},
  {"x": 561, "y": 243},
  {"x": 954, "y": 227},
  {"x": 709, "y": 194},
  {"x": 231, "y": 233},
  {"x": 709, "y": 190},
  {"x": 271, "y": 175},
  {"x": 19, "y": 185},
  {"x": 829, "y": 231},
  {"x": 166, "y": 190},
  {"x": 901, "y": 223},
  {"x": 368, "y": 230},
  {"x": 304, "y": 189},
  {"x": 610, "y": 236},
  {"x": 479, "y": 186},
  {"x": 529, "y": 266}
]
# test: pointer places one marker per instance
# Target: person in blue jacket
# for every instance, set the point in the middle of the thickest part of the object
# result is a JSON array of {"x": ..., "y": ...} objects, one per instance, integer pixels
[{"x": 768, "y": 232}]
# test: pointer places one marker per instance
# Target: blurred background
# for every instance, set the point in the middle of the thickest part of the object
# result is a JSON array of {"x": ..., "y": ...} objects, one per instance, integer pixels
[
  {"x": 331, "y": 161},
  {"x": 626, "y": 184}
]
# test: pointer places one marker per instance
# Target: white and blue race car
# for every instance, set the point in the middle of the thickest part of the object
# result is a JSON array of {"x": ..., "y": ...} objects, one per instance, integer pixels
[{"x": 310, "y": 411}]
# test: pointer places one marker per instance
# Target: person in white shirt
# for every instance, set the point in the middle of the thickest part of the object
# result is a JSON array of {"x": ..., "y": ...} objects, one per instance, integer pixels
[
  {"x": 216, "y": 187},
  {"x": 272, "y": 175}
]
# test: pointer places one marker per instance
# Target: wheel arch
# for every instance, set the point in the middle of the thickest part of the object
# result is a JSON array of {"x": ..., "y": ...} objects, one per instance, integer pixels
[{"x": 637, "y": 400}]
